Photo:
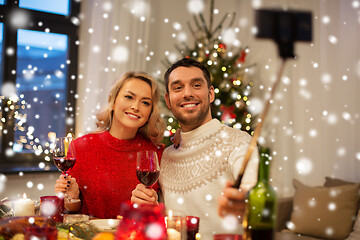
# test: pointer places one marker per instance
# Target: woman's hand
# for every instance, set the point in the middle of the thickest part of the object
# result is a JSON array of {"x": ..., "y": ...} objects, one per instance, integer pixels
[
  {"x": 66, "y": 182},
  {"x": 231, "y": 201},
  {"x": 143, "y": 195}
]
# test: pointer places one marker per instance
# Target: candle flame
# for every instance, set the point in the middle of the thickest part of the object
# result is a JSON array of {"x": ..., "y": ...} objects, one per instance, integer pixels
[{"x": 52, "y": 136}]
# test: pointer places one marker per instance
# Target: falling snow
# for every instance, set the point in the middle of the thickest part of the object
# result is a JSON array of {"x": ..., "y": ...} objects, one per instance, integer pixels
[
  {"x": 120, "y": 53},
  {"x": 304, "y": 166},
  {"x": 256, "y": 107},
  {"x": 230, "y": 222},
  {"x": 195, "y": 6},
  {"x": 139, "y": 8},
  {"x": 154, "y": 231},
  {"x": 3, "y": 180}
]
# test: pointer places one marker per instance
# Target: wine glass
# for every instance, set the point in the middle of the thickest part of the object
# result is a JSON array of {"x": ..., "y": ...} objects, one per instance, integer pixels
[
  {"x": 64, "y": 157},
  {"x": 147, "y": 167}
]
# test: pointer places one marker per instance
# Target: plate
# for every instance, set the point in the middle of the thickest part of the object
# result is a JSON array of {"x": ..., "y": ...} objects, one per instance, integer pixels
[{"x": 105, "y": 225}]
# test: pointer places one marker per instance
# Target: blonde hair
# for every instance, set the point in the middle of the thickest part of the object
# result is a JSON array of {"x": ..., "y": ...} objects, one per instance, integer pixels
[{"x": 154, "y": 127}]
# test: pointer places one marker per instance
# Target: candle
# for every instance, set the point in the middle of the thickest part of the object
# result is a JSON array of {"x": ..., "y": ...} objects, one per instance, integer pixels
[
  {"x": 173, "y": 234},
  {"x": 24, "y": 207}
]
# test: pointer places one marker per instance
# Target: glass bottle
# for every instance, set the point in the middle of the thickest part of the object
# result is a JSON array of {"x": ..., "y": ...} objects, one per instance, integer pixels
[{"x": 260, "y": 213}]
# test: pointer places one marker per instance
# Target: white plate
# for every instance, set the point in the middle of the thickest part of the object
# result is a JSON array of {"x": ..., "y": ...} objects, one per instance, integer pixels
[{"x": 105, "y": 224}]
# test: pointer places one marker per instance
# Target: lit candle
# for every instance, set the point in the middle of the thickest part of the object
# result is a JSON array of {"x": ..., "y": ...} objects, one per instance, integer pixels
[
  {"x": 24, "y": 207},
  {"x": 173, "y": 234}
]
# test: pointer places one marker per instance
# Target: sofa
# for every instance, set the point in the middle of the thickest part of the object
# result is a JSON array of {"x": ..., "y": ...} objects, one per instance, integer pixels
[{"x": 331, "y": 211}]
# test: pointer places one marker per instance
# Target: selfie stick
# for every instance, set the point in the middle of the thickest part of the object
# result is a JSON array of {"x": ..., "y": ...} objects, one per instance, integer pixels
[
  {"x": 257, "y": 131},
  {"x": 284, "y": 27}
]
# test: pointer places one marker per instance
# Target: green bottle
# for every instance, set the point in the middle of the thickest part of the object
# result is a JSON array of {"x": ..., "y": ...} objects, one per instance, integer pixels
[{"x": 260, "y": 213}]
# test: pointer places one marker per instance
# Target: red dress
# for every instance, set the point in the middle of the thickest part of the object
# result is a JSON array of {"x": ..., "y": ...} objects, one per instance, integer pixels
[{"x": 105, "y": 171}]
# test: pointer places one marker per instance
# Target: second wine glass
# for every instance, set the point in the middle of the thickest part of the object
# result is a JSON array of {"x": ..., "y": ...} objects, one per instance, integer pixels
[
  {"x": 64, "y": 156},
  {"x": 147, "y": 168}
]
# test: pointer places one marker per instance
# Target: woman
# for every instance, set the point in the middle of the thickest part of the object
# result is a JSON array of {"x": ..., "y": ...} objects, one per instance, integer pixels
[{"x": 104, "y": 174}]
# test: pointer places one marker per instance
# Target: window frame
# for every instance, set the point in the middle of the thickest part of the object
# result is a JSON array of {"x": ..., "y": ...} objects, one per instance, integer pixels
[{"x": 29, "y": 162}]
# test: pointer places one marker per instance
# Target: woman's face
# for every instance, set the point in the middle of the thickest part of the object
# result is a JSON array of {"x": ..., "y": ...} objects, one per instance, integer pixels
[{"x": 132, "y": 106}]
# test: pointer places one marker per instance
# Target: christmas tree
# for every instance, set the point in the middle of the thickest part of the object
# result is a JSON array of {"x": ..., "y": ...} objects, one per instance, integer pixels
[{"x": 228, "y": 69}]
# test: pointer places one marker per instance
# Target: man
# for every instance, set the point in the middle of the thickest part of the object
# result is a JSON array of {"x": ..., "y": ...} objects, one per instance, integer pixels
[{"x": 209, "y": 157}]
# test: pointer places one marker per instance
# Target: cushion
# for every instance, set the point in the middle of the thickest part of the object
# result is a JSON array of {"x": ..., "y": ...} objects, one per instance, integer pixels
[
  {"x": 324, "y": 212},
  {"x": 355, "y": 234},
  {"x": 334, "y": 182}
]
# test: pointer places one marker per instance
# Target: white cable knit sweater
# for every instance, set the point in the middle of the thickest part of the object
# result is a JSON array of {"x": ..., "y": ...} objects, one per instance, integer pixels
[{"x": 193, "y": 176}]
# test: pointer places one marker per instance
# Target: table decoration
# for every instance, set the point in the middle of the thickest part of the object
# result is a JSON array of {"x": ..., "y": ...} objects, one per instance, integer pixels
[
  {"x": 5, "y": 208},
  {"x": 192, "y": 227},
  {"x": 142, "y": 222},
  {"x": 12, "y": 226},
  {"x": 41, "y": 233},
  {"x": 173, "y": 234},
  {"x": 73, "y": 218},
  {"x": 106, "y": 225},
  {"x": 227, "y": 237},
  {"x": 24, "y": 207},
  {"x": 82, "y": 230},
  {"x": 52, "y": 207},
  {"x": 176, "y": 225}
]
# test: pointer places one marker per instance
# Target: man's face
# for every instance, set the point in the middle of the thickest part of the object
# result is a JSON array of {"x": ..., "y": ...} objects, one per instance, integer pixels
[{"x": 189, "y": 97}]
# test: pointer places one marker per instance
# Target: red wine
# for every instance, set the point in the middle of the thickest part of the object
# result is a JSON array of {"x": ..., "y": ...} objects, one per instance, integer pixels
[
  {"x": 191, "y": 234},
  {"x": 260, "y": 234},
  {"x": 64, "y": 164},
  {"x": 148, "y": 178}
]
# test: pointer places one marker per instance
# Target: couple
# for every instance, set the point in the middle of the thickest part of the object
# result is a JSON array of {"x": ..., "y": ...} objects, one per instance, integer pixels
[{"x": 194, "y": 178}]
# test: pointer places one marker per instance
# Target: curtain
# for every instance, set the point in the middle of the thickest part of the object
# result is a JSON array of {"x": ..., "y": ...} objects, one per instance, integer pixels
[{"x": 113, "y": 40}]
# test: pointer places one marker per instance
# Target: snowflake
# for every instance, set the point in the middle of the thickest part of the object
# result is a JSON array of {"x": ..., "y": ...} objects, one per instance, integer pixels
[
  {"x": 29, "y": 184},
  {"x": 154, "y": 231},
  {"x": 256, "y": 106},
  {"x": 140, "y": 8},
  {"x": 19, "y": 19},
  {"x": 304, "y": 166},
  {"x": 228, "y": 36},
  {"x": 195, "y": 6},
  {"x": 120, "y": 54},
  {"x": 8, "y": 90},
  {"x": 3, "y": 180},
  {"x": 230, "y": 222}
]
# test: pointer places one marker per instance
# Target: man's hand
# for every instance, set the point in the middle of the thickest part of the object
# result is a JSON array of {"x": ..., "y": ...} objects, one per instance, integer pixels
[
  {"x": 143, "y": 195},
  {"x": 231, "y": 201}
]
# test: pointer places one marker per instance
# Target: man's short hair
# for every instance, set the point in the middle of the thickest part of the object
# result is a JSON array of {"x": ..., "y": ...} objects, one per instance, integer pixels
[{"x": 187, "y": 62}]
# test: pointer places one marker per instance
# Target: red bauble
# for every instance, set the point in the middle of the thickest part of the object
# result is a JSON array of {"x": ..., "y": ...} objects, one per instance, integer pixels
[{"x": 228, "y": 113}]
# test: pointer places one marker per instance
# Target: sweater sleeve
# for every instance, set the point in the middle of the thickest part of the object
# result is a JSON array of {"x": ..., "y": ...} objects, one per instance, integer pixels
[{"x": 236, "y": 160}]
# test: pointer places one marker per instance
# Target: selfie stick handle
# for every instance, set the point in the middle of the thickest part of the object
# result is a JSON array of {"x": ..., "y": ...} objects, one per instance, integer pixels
[{"x": 257, "y": 131}]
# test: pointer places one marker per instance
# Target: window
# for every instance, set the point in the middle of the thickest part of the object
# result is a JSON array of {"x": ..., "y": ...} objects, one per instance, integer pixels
[{"x": 38, "y": 74}]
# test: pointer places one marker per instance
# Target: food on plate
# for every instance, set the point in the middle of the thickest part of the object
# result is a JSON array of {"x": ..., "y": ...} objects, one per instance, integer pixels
[{"x": 104, "y": 236}]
